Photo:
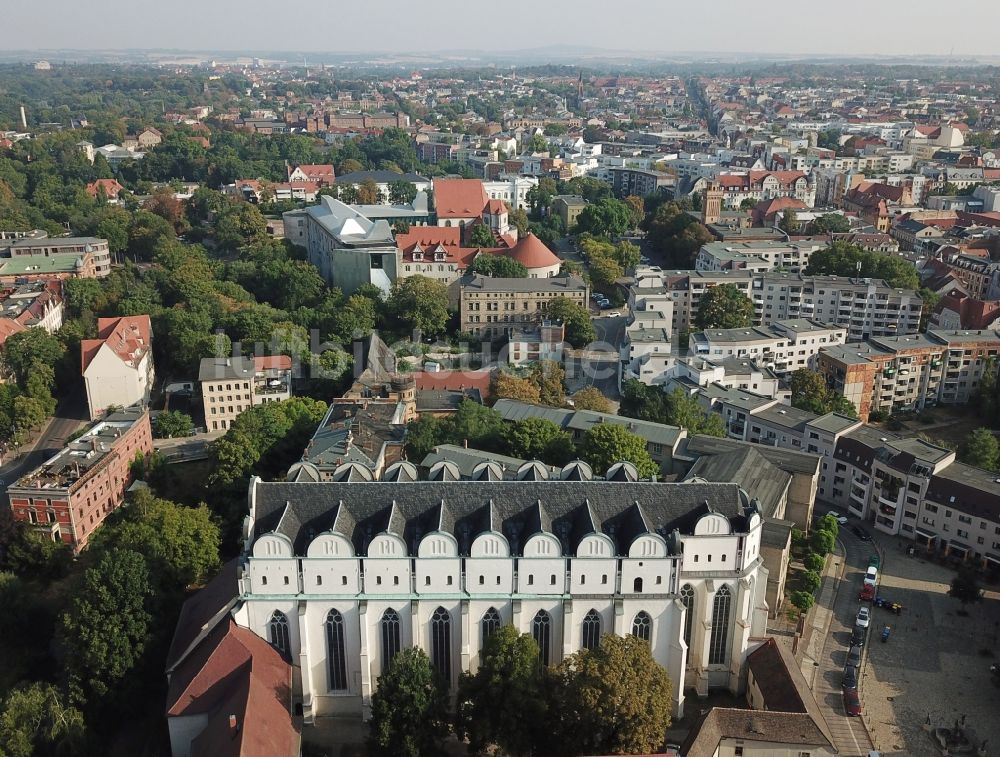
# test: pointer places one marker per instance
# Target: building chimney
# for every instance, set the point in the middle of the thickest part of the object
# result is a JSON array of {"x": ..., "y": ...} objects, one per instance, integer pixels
[
  {"x": 465, "y": 443},
  {"x": 24, "y": 119},
  {"x": 233, "y": 725}
]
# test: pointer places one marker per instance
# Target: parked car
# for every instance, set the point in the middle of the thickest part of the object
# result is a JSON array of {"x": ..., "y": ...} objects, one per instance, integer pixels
[
  {"x": 615, "y": 314},
  {"x": 850, "y": 679},
  {"x": 867, "y": 593},
  {"x": 841, "y": 519},
  {"x": 871, "y": 575},
  {"x": 852, "y": 703},
  {"x": 860, "y": 533},
  {"x": 858, "y": 637},
  {"x": 874, "y": 562},
  {"x": 854, "y": 656},
  {"x": 644, "y": 260},
  {"x": 864, "y": 617}
]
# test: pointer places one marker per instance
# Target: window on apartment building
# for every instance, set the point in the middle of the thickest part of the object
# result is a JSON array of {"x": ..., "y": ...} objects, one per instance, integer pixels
[{"x": 931, "y": 508}]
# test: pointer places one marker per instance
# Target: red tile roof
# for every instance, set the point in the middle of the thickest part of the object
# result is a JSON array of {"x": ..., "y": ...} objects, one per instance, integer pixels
[
  {"x": 111, "y": 188},
  {"x": 8, "y": 328},
  {"x": 442, "y": 381},
  {"x": 272, "y": 362},
  {"x": 129, "y": 337},
  {"x": 234, "y": 674},
  {"x": 531, "y": 252},
  {"x": 459, "y": 198}
]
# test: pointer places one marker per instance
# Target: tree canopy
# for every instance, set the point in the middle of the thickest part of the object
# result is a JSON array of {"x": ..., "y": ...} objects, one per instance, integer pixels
[
  {"x": 499, "y": 266},
  {"x": 608, "y": 443},
  {"x": 579, "y": 328},
  {"x": 810, "y": 392},
  {"x": 420, "y": 303},
  {"x": 409, "y": 708},
  {"x": 676, "y": 408},
  {"x": 842, "y": 259},
  {"x": 724, "y": 307}
]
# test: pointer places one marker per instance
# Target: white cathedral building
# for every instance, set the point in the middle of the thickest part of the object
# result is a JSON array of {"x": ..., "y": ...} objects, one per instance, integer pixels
[{"x": 341, "y": 575}]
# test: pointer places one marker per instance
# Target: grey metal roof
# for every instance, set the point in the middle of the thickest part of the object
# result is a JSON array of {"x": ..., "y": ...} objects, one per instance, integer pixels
[
  {"x": 467, "y": 459},
  {"x": 748, "y": 468},
  {"x": 216, "y": 368},
  {"x": 584, "y": 420},
  {"x": 834, "y": 423},
  {"x": 567, "y": 509},
  {"x": 790, "y": 461},
  {"x": 785, "y": 416}
]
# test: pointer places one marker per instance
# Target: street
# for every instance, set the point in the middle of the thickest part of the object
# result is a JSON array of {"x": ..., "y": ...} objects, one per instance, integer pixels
[
  {"x": 849, "y": 733},
  {"x": 70, "y": 415}
]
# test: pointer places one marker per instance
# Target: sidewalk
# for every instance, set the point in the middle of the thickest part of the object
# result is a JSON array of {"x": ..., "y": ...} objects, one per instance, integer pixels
[{"x": 817, "y": 625}]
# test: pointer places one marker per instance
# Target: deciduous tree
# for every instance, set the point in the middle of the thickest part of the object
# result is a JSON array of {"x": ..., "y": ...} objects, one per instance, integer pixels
[
  {"x": 614, "y": 699},
  {"x": 591, "y": 398},
  {"x": 409, "y": 715},
  {"x": 420, "y": 303},
  {"x": 724, "y": 307},
  {"x": 609, "y": 443}
]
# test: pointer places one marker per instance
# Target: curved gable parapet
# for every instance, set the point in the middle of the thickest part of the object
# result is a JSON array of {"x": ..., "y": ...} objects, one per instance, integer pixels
[
  {"x": 438, "y": 544},
  {"x": 712, "y": 524},
  {"x": 387, "y": 545},
  {"x": 595, "y": 545},
  {"x": 330, "y": 545},
  {"x": 490, "y": 544},
  {"x": 648, "y": 545},
  {"x": 542, "y": 544},
  {"x": 273, "y": 545}
]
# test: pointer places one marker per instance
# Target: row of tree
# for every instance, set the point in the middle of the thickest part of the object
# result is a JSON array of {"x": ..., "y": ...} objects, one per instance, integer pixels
[{"x": 613, "y": 699}]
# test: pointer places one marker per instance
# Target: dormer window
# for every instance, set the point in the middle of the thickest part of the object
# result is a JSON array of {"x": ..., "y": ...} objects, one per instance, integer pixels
[
  {"x": 418, "y": 256},
  {"x": 439, "y": 257}
]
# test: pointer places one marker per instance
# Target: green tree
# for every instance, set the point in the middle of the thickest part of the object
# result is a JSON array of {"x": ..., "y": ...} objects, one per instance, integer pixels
[
  {"x": 181, "y": 544},
  {"x": 965, "y": 586},
  {"x": 106, "y": 627},
  {"x": 481, "y": 236},
  {"x": 810, "y": 581},
  {"x": 81, "y": 295},
  {"x": 36, "y": 720},
  {"x": 422, "y": 435},
  {"x": 402, "y": 192},
  {"x": 240, "y": 225},
  {"x": 822, "y": 542},
  {"x": 409, "y": 715},
  {"x": 591, "y": 398},
  {"x": 810, "y": 392},
  {"x": 803, "y": 600},
  {"x": 830, "y": 223},
  {"x": 981, "y": 450},
  {"x": 813, "y": 562},
  {"x": 579, "y": 328},
  {"x": 173, "y": 423},
  {"x": 608, "y": 443},
  {"x": 502, "y": 703},
  {"x": 538, "y": 439},
  {"x": 844, "y": 259},
  {"x": 676, "y": 234},
  {"x": 607, "y": 217},
  {"x": 614, "y": 699},
  {"x": 146, "y": 232},
  {"x": 499, "y": 266},
  {"x": 682, "y": 409},
  {"x": 420, "y": 303},
  {"x": 724, "y": 307},
  {"x": 25, "y": 350},
  {"x": 550, "y": 378},
  {"x": 481, "y": 426}
]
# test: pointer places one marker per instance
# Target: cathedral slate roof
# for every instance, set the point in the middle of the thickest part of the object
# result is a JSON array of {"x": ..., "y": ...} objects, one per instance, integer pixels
[{"x": 570, "y": 510}]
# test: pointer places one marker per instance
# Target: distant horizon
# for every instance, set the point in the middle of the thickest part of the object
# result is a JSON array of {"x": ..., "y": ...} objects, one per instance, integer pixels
[{"x": 640, "y": 28}]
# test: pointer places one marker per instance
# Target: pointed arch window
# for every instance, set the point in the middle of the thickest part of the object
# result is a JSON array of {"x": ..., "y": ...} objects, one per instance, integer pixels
[
  {"x": 335, "y": 651},
  {"x": 591, "y": 630},
  {"x": 718, "y": 650},
  {"x": 642, "y": 626},
  {"x": 441, "y": 642},
  {"x": 277, "y": 631},
  {"x": 490, "y": 624},
  {"x": 541, "y": 632},
  {"x": 390, "y": 636},
  {"x": 687, "y": 599}
]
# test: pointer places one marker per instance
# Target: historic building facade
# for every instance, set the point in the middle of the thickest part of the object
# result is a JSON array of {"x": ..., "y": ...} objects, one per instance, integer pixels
[{"x": 341, "y": 575}]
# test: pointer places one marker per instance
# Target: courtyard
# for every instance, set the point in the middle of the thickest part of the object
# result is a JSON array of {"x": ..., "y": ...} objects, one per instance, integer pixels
[{"x": 936, "y": 663}]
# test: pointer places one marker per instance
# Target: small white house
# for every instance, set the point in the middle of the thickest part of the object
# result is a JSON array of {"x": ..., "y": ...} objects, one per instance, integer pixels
[{"x": 118, "y": 366}]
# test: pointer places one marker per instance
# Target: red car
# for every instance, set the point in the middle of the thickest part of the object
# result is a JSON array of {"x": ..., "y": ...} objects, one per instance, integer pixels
[
  {"x": 852, "y": 703},
  {"x": 867, "y": 593}
]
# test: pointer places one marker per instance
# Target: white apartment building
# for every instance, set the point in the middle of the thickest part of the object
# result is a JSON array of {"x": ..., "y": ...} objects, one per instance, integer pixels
[
  {"x": 756, "y": 256},
  {"x": 513, "y": 190},
  {"x": 339, "y": 576},
  {"x": 230, "y": 386},
  {"x": 784, "y": 346},
  {"x": 118, "y": 366},
  {"x": 865, "y": 307}
]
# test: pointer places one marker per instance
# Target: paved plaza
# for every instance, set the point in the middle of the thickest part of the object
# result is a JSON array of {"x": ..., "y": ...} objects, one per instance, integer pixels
[{"x": 933, "y": 662}]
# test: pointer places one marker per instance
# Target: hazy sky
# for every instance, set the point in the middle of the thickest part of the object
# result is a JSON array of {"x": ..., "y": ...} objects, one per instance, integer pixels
[{"x": 773, "y": 26}]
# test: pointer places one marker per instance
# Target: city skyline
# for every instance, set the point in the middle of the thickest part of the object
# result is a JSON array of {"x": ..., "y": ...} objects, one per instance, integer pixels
[{"x": 390, "y": 26}]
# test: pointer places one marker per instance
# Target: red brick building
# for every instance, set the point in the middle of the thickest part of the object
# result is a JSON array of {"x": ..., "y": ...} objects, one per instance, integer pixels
[{"x": 71, "y": 494}]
